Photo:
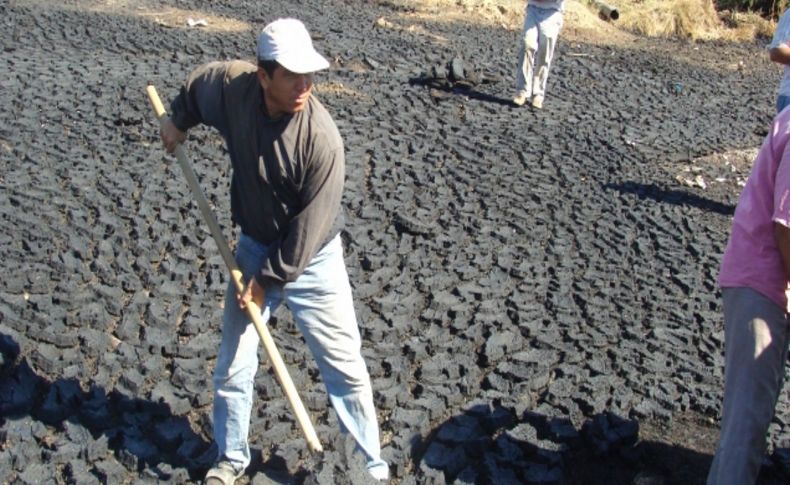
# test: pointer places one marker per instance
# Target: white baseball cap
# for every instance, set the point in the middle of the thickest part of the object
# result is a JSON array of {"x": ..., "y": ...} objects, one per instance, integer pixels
[{"x": 288, "y": 42}]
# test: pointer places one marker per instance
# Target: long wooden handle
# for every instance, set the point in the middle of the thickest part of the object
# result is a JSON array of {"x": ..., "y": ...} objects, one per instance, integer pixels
[{"x": 253, "y": 310}]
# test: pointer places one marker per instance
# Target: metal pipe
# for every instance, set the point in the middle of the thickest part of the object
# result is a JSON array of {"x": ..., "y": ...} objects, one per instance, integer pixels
[{"x": 606, "y": 11}]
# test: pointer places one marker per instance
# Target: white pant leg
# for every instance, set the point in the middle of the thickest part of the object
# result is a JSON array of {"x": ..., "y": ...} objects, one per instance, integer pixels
[
  {"x": 527, "y": 49},
  {"x": 548, "y": 33}
]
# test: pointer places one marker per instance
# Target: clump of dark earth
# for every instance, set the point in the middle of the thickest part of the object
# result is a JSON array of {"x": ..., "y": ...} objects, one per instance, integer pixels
[{"x": 536, "y": 289}]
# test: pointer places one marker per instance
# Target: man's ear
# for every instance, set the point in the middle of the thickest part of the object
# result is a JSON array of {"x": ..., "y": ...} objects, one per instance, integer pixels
[{"x": 263, "y": 77}]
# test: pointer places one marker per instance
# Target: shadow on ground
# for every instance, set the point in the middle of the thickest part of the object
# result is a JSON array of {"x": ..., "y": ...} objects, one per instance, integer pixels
[
  {"x": 678, "y": 197},
  {"x": 140, "y": 433}
]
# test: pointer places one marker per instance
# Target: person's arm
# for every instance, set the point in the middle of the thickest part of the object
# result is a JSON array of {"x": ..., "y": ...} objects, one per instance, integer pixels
[
  {"x": 781, "y": 196},
  {"x": 778, "y": 49},
  {"x": 780, "y": 54},
  {"x": 200, "y": 98},
  {"x": 321, "y": 194},
  {"x": 782, "y": 238},
  {"x": 199, "y": 101}
]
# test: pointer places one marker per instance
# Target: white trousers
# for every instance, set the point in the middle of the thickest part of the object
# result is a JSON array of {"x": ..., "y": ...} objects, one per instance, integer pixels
[{"x": 538, "y": 39}]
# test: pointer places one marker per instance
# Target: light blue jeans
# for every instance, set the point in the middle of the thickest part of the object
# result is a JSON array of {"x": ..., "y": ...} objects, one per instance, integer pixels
[
  {"x": 782, "y": 102},
  {"x": 538, "y": 39},
  {"x": 323, "y": 309}
]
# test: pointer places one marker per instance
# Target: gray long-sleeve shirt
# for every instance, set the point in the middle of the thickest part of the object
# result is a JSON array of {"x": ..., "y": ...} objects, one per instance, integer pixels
[{"x": 288, "y": 172}]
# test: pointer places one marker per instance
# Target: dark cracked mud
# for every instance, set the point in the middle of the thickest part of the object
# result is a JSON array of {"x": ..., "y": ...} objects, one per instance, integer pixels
[{"x": 536, "y": 290}]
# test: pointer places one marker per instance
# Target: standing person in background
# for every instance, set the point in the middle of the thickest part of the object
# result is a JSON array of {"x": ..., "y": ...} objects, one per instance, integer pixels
[
  {"x": 779, "y": 51},
  {"x": 754, "y": 276},
  {"x": 542, "y": 24},
  {"x": 288, "y": 173}
]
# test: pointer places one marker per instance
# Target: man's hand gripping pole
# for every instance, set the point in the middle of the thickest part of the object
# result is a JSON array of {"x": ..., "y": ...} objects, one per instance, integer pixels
[{"x": 253, "y": 310}]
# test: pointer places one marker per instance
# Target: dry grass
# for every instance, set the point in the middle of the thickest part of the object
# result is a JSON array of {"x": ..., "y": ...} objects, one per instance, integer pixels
[
  {"x": 690, "y": 19},
  {"x": 502, "y": 13},
  {"x": 740, "y": 26},
  {"x": 581, "y": 19},
  {"x": 694, "y": 19},
  {"x": 687, "y": 19}
]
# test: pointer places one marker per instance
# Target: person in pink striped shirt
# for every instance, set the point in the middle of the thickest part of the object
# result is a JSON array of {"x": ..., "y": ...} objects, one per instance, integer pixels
[{"x": 754, "y": 276}]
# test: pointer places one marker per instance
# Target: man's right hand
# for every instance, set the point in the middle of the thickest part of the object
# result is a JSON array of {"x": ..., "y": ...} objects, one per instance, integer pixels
[
  {"x": 171, "y": 136},
  {"x": 253, "y": 292}
]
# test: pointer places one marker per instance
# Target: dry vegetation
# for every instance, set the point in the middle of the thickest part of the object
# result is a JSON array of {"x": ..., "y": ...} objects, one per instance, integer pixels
[
  {"x": 693, "y": 19},
  {"x": 689, "y": 19}
]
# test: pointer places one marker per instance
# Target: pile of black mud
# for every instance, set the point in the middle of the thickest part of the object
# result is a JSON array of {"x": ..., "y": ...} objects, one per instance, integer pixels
[{"x": 536, "y": 289}]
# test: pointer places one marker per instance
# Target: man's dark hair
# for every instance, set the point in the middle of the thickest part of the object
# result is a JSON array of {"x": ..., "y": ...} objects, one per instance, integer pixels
[{"x": 268, "y": 65}]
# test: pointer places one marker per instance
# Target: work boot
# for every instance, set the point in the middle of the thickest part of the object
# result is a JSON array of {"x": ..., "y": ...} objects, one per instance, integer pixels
[
  {"x": 223, "y": 473},
  {"x": 520, "y": 99}
]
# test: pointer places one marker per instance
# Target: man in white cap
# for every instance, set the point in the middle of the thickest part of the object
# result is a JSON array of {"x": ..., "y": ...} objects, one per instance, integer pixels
[{"x": 288, "y": 173}]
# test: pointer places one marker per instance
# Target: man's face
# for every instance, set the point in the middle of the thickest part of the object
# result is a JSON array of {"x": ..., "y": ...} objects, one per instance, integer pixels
[{"x": 285, "y": 91}]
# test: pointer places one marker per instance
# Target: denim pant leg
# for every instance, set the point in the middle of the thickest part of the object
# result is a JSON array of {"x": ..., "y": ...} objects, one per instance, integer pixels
[
  {"x": 237, "y": 362},
  {"x": 323, "y": 309},
  {"x": 755, "y": 353}
]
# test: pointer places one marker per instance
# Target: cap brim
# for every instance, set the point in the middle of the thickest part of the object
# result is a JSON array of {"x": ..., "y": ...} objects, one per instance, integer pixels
[{"x": 304, "y": 64}]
